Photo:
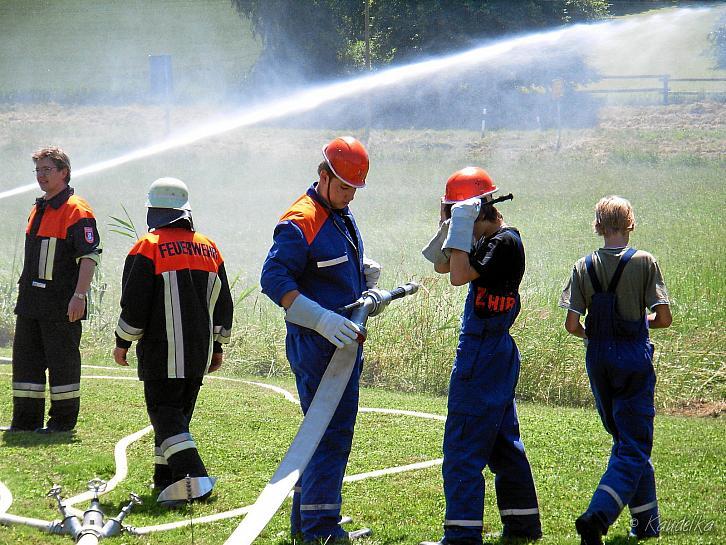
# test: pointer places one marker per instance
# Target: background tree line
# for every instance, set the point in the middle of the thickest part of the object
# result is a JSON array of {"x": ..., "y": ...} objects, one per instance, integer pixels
[{"x": 318, "y": 39}]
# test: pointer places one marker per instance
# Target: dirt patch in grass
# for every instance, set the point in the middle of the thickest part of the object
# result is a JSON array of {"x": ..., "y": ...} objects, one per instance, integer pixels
[
  {"x": 699, "y": 408},
  {"x": 699, "y": 115},
  {"x": 690, "y": 132}
]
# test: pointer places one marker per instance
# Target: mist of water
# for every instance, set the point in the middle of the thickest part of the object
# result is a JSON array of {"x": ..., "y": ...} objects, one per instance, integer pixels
[{"x": 517, "y": 49}]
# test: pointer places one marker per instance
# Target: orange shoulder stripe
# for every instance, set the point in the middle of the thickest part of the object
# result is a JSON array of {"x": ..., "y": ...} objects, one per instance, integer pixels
[
  {"x": 178, "y": 249},
  {"x": 308, "y": 215},
  {"x": 55, "y": 222},
  {"x": 145, "y": 246},
  {"x": 79, "y": 209}
]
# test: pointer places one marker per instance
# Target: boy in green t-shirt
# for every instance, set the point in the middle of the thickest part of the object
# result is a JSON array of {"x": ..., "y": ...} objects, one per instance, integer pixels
[{"x": 613, "y": 287}]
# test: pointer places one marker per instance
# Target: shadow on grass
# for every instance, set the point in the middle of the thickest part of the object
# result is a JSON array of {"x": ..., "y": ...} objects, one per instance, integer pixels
[
  {"x": 623, "y": 540},
  {"x": 150, "y": 507},
  {"x": 31, "y": 439}
]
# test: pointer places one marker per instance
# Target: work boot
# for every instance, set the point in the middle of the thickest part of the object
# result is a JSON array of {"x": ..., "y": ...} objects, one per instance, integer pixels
[
  {"x": 644, "y": 529},
  {"x": 590, "y": 530},
  {"x": 172, "y": 504},
  {"x": 514, "y": 538}
]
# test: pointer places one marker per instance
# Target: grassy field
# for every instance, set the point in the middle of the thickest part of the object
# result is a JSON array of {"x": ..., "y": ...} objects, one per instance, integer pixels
[
  {"x": 98, "y": 51},
  {"x": 669, "y": 162},
  {"x": 243, "y": 430}
]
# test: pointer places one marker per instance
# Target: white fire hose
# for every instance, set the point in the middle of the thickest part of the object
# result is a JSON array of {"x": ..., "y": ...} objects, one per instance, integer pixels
[{"x": 316, "y": 419}]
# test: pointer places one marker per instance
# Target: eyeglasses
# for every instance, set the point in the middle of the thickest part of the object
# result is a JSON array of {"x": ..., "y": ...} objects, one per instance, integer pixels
[{"x": 44, "y": 171}]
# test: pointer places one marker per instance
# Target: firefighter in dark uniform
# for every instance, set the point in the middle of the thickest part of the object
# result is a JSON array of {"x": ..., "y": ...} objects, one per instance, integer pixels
[
  {"x": 176, "y": 303},
  {"x": 316, "y": 265},
  {"x": 613, "y": 287},
  {"x": 62, "y": 249},
  {"x": 474, "y": 246}
]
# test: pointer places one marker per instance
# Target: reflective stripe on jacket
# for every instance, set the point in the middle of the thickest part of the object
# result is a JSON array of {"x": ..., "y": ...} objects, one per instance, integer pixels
[
  {"x": 60, "y": 232},
  {"x": 176, "y": 302}
]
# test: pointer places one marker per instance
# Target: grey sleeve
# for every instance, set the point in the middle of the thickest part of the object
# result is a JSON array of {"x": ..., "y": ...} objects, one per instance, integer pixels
[
  {"x": 572, "y": 297},
  {"x": 655, "y": 291}
]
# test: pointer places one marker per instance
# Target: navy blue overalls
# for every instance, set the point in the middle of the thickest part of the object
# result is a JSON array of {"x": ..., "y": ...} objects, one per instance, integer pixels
[
  {"x": 482, "y": 426},
  {"x": 320, "y": 253},
  {"x": 619, "y": 363}
]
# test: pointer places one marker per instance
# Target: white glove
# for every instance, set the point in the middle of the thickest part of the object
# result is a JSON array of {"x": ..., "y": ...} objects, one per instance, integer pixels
[
  {"x": 433, "y": 250},
  {"x": 338, "y": 329},
  {"x": 461, "y": 230},
  {"x": 372, "y": 272}
]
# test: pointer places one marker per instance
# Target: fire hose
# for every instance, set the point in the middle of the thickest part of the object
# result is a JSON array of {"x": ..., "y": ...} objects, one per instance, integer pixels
[{"x": 317, "y": 418}]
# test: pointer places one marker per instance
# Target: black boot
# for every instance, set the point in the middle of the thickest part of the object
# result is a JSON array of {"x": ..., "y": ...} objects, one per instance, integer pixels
[{"x": 590, "y": 529}]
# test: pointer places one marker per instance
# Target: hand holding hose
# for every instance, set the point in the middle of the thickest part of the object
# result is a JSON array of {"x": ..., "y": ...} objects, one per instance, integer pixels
[
  {"x": 372, "y": 272},
  {"x": 337, "y": 329}
]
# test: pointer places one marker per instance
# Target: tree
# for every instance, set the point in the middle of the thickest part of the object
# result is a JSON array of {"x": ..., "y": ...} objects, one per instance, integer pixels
[
  {"x": 301, "y": 39},
  {"x": 718, "y": 39},
  {"x": 318, "y": 39}
]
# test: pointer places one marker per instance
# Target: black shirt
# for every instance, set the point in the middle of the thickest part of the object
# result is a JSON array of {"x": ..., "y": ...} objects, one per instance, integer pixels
[{"x": 499, "y": 260}]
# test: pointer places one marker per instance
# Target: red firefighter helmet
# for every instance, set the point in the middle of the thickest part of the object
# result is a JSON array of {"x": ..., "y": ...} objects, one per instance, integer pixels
[
  {"x": 467, "y": 183},
  {"x": 348, "y": 159}
]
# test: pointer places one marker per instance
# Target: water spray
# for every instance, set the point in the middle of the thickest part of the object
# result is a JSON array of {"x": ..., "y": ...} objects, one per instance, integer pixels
[{"x": 314, "y": 97}]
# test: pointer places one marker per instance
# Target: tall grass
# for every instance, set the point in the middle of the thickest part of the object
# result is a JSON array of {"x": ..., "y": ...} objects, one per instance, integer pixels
[{"x": 240, "y": 183}]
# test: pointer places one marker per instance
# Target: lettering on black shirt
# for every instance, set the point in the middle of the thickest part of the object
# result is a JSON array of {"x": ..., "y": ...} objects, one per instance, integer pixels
[
  {"x": 499, "y": 260},
  {"x": 186, "y": 247}
]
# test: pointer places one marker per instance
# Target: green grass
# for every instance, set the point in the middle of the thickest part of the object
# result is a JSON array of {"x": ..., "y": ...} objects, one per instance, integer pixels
[
  {"x": 86, "y": 51},
  {"x": 242, "y": 181},
  {"x": 243, "y": 430}
]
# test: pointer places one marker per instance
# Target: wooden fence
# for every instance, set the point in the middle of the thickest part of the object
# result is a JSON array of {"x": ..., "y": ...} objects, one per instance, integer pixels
[{"x": 664, "y": 88}]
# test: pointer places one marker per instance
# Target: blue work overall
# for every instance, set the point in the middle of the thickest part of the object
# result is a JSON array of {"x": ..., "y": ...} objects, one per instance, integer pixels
[
  {"x": 619, "y": 363},
  {"x": 482, "y": 429},
  {"x": 319, "y": 253}
]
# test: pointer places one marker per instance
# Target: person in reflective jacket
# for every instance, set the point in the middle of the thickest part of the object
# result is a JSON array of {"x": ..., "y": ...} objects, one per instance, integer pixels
[
  {"x": 316, "y": 265},
  {"x": 474, "y": 246},
  {"x": 176, "y": 303},
  {"x": 62, "y": 250},
  {"x": 613, "y": 287}
]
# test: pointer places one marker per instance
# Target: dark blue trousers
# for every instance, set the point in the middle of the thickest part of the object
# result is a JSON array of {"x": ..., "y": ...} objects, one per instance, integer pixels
[
  {"x": 623, "y": 383},
  {"x": 41, "y": 345},
  {"x": 317, "y": 497},
  {"x": 482, "y": 430}
]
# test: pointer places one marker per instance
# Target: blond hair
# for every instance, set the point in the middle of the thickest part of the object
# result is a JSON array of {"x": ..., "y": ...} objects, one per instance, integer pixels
[{"x": 613, "y": 214}]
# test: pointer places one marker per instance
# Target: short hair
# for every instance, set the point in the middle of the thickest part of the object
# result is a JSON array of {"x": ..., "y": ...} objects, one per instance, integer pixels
[
  {"x": 325, "y": 167},
  {"x": 489, "y": 212},
  {"x": 613, "y": 214},
  {"x": 57, "y": 155}
]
